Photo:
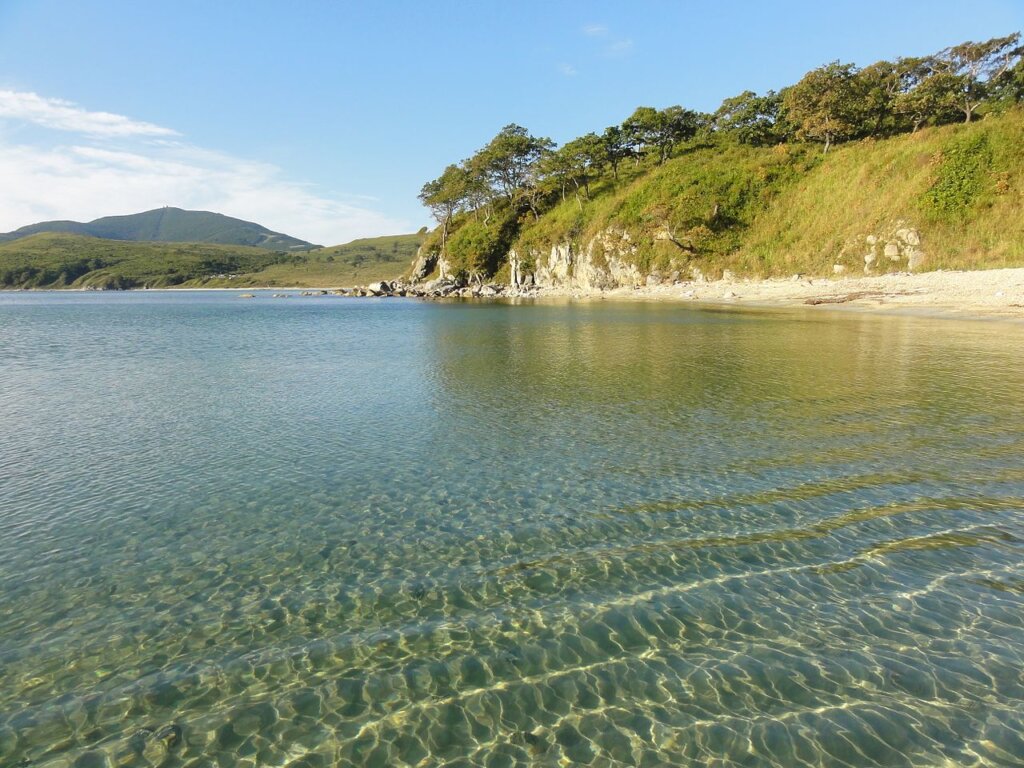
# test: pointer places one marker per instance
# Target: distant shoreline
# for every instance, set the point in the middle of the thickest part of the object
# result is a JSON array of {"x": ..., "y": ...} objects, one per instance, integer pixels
[{"x": 992, "y": 293}]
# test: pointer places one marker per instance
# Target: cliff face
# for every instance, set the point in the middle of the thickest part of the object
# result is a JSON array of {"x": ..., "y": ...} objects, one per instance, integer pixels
[{"x": 605, "y": 262}]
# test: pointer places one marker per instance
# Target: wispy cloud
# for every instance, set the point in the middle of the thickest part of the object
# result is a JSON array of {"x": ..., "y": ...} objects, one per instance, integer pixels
[
  {"x": 611, "y": 46},
  {"x": 67, "y": 116},
  {"x": 115, "y": 165},
  {"x": 568, "y": 70},
  {"x": 619, "y": 48}
]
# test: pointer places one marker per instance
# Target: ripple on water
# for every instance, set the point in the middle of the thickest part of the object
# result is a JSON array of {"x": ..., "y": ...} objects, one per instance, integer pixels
[{"x": 237, "y": 533}]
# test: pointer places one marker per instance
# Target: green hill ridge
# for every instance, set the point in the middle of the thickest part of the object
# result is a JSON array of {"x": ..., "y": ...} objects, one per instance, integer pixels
[{"x": 171, "y": 225}]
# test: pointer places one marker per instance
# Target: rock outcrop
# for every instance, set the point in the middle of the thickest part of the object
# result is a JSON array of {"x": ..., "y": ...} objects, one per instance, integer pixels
[
  {"x": 605, "y": 262},
  {"x": 424, "y": 263},
  {"x": 900, "y": 246}
]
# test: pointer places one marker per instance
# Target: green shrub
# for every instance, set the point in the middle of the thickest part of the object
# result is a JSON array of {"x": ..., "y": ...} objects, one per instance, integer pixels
[{"x": 963, "y": 169}]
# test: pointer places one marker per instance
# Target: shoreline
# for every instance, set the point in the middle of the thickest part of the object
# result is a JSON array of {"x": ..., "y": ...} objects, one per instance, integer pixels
[
  {"x": 992, "y": 294},
  {"x": 995, "y": 293}
]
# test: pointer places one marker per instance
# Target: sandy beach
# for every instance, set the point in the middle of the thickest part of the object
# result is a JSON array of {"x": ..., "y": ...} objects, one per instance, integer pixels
[{"x": 990, "y": 293}]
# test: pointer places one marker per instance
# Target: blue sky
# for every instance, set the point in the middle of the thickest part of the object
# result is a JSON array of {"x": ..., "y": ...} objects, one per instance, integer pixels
[{"x": 323, "y": 119}]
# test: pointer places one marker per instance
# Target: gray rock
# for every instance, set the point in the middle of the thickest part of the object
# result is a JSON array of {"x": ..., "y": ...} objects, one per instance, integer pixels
[
  {"x": 909, "y": 236},
  {"x": 424, "y": 264},
  {"x": 892, "y": 251},
  {"x": 838, "y": 269}
]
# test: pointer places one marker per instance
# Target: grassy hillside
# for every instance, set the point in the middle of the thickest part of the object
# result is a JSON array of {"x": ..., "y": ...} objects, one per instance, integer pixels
[
  {"x": 171, "y": 225},
  {"x": 51, "y": 260},
  {"x": 356, "y": 263},
  {"x": 790, "y": 208},
  {"x": 57, "y": 260},
  {"x": 961, "y": 186}
]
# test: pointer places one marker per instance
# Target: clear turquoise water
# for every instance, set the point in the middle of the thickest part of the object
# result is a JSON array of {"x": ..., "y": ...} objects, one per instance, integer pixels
[{"x": 316, "y": 532}]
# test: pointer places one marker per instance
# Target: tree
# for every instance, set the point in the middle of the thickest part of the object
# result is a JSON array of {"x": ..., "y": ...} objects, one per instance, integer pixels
[
  {"x": 640, "y": 130},
  {"x": 507, "y": 159},
  {"x": 649, "y": 130},
  {"x": 824, "y": 104},
  {"x": 616, "y": 147},
  {"x": 976, "y": 67},
  {"x": 1008, "y": 88},
  {"x": 928, "y": 97},
  {"x": 556, "y": 171},
  {"x": 880, "y": 84},
  {"x": 577, "y": 163},
  {"x": 750, "y": 118},
  {"x": 445, "y": 195}
]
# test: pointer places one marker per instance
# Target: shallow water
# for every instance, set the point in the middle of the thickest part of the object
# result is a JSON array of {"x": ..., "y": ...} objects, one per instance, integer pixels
[{"x": 326, "y": 531}]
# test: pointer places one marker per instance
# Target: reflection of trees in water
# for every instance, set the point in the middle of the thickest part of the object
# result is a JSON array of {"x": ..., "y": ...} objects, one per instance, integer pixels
[{"x": 647, "y": 355}]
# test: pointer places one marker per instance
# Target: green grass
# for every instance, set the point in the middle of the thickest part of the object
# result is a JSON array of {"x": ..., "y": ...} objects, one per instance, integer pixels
[
  {"x": 356, "y": 263},
  {"x": 960, "y": 186}
]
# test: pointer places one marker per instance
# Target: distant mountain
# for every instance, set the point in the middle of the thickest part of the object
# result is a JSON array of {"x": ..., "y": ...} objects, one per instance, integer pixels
[{"x": 171, "y": 225}]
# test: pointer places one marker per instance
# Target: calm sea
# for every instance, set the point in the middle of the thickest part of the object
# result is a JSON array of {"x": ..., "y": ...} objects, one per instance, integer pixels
[{"x": 323, "y": 531}]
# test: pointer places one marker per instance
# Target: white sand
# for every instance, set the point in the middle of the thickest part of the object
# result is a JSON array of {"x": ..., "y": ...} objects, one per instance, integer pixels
[{"x": 995, "y": 292}]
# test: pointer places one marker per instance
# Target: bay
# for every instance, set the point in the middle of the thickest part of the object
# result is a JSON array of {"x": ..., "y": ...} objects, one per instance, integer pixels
[{"x": 326, "y": 531}]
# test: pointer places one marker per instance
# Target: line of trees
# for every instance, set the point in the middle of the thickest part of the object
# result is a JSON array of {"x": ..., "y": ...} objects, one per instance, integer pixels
[{"x": 522, "y": 173}]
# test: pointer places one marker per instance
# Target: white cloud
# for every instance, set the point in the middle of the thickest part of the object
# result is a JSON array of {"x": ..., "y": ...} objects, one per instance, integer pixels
[
  {"x": 614, "y": 48},
  {"x": 568, "y": 70},
  {"x": 130, "y": 168},
  {"x": 66, "y": 116},
  {"x": 619, "y": 48}
]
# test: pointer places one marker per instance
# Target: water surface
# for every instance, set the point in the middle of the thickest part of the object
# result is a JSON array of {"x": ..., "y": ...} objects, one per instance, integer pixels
[{"x": 324, "y": 531}]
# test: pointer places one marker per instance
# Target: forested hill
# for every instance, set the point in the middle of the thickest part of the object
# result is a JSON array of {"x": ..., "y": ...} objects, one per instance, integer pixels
[
  {"x": 171, "y": 225},
  {"x": 62, "y": 260},
  {"x": 916, "y": 163}
]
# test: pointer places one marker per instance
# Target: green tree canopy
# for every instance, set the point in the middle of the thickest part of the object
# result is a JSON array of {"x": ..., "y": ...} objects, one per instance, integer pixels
[
  {"x": 616, "y": 147},
  {"x": 507, "y": 159},
  {"x": 651, "y": 131},
  {"x": 750, "y": 118},
  {"x": 445, "y": 195},
  {"x": 826, "y": 104},
  {"x": 977, "y": 67}
]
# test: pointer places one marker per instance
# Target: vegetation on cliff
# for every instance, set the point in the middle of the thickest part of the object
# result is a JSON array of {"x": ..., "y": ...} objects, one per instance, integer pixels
[{"x": 803, "y": 179}]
